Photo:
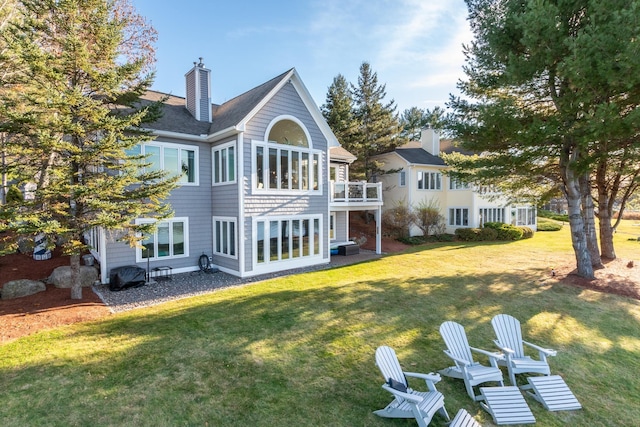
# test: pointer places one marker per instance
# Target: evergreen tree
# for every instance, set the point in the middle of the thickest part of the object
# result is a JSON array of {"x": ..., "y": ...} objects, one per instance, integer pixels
[
  {"x": 70, "y": 106},
  {"x": 378, "y": 125},
  {"x": 414, "y": 119},
  {"x": 338, "y": 111},
  {"x": 557, "y": 90}
]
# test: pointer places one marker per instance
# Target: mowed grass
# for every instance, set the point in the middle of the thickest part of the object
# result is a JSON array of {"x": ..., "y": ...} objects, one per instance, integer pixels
[{"x": 299, "y": 350}]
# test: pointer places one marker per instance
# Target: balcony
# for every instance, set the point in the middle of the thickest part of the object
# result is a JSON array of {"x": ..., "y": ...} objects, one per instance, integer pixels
[{"x": 355, "y": 195}]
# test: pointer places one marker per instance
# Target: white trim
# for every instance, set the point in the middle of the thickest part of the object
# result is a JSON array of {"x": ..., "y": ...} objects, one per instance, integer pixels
[
  {"x": 241, "y": 213},
  {"x": 462, "y": 208},
  {"x": 291, "y": 148},
  {"x": 294, "y": 119},
  {"x": 292, "y": 262},
  {"x": 227, "y": 220},
  {"x": 221, "y": 148},
  {"x": 176, "y": 135},
  {"x": 162, "y": 145},
  {"x": 170, "y": 221}
]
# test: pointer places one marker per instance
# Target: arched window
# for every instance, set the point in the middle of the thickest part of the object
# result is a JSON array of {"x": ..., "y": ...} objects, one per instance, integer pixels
[{"x": 288, "y": 132}]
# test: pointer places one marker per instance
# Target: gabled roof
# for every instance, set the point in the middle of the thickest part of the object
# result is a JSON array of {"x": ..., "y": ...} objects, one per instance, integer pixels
[
  {"x": 419, "y": 156},
  {"x": 340, "y": 154},
  {"x": 236, "y": 110},
  {"x": 232, "y": 116},
  {"x": 175, "y": 116}
]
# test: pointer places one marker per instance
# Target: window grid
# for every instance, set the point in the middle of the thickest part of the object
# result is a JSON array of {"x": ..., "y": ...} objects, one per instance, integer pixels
[
  {"x": 459, "y": 217},
  {"x": 429, "y": 180},
  {"x": 169, "y": 240},
  {"x": 225, "y": 242},
  {"x": 286, "y": 168},
  {"x": 224, "y": 164}
]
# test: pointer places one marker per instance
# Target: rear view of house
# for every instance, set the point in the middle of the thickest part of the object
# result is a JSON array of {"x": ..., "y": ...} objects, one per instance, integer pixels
[{"x": 254, "y": 195}]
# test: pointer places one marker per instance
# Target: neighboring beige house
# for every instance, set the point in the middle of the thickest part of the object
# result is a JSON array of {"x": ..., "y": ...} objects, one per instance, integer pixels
[{"x": 421, "y": 179}]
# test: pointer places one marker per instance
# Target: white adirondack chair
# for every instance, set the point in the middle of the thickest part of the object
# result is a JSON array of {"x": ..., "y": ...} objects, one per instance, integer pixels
[
  {"x": 408, "y": 403},
  {"x": 509, "y": 340},
  {"x": 467, "y": 369}
]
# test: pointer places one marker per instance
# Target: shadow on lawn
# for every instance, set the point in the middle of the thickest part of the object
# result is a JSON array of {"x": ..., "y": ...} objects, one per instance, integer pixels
[{"x": 280, "y": 344}]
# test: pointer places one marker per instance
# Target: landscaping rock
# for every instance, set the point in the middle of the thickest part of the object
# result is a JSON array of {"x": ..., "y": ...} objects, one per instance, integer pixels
[
  {"x": 21, "y": 288},
  {"x": 61, "y": 276}
]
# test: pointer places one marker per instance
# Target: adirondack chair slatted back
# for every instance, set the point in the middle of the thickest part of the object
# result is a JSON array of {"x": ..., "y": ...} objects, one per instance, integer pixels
[
  {"x": 509, "y": 333},
  {"x": 456, "y": 340},
  {"x": 388, "y": 363}
]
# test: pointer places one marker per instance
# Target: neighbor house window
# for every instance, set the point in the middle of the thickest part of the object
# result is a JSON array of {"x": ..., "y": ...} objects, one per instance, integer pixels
[
  {"x": 169, "y": 240},
  {"x": 225, "y": 240},
  {"x": 459, "y": 217},
  {"x": 429, "y": 180},
  {"x": 224, "y": 164},
  {"x": 177, "y": 159},
  {"x": 456, "y": 184},
  {"x": 525, "y": 216},
  {"x": 491, "y": 215},
  {"x": 286, "y": 239},
  {"x": 403, "y": 179}
]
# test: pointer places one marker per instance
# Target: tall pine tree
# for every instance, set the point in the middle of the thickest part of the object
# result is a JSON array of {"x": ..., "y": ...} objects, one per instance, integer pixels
[
  {"x": 80, "y": 68},
  {"x": 378, "y": 124},
  {"x": 338, "y": 111},
  {"x": 552, "y": 95}
]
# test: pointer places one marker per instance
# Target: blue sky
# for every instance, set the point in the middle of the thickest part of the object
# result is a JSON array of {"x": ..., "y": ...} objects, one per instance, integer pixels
[{"x": 415, "y": 46}]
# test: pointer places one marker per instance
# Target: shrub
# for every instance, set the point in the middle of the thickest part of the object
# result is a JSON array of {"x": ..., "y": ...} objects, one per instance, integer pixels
[
  {"x": 547, "y": 225},
  {"x": 527, "y": 232},
  {"x": 14, "y": 195},
  {"x": 553, "y": 215},
  {"x": 397, "y": 221},
  {"x": 505, "y": 231},
  {"x": 428, "y": 219},
  {"x": 468, "y": 234},
  {"x": 488, "y": 234}
]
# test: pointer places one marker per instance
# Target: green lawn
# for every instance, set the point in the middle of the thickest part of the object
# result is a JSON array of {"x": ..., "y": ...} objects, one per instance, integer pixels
[{"x": 299, "y": 350}]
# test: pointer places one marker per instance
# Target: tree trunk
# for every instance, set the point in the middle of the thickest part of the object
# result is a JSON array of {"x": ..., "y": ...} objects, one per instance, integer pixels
[
  {"x": 76, "y": 285},
  {"x": 588, "y": 213},
  {"x": 573, "y": 193}
]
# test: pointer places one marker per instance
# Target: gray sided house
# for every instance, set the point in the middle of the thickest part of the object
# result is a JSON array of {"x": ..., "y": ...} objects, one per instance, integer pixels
[{"x": 264, "y": 183}]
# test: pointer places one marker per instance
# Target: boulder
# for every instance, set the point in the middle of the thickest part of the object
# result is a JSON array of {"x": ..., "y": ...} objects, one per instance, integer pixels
[
  {"x": 21, "y": 288},
  {"x": 61, "y": 276}
]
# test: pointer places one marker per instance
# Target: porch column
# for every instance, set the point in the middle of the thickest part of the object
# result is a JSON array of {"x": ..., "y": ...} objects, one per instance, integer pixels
[{"x": 379, "y": 230}]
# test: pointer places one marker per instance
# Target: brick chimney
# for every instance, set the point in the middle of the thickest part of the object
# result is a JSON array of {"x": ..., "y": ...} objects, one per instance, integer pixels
[
  {"x": 198, "y": 99},
  {"x": 430, "y": 141}
]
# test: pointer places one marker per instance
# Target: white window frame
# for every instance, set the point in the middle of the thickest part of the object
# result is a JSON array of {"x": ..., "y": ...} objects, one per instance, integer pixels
[
  {"x": 218, "y": 169},
  {"x": 432, "y": 181},
  {"x": 525, "y": 215},
  {"x": 313, "y": 175},
  {"x": 266, "y": 261},
  {"x": 226, "y": 222},
  {"x": 402, "y": 179},
  {"x": 456, "y": 185},
  {"x": 162, "y": 145},
  {"x": 332, "y": 225},
  {"x": 453, "y": 217},
  {"x": 170, "y": 221},
  {"x": 491, "y": 215}
]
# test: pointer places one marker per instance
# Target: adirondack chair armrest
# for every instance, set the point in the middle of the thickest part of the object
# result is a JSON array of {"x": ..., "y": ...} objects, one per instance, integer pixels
[
  {"x": 541, "y": 350},
  {"x": 430, "y": 377},
  {"x": 507, "y": 351},
  {"x": 458, "y": 360},
  {"x": 413, "y": 398},
  {"x": 493, "y": 357}
]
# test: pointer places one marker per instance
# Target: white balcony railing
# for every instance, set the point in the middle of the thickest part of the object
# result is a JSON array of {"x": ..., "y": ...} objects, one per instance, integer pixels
[{"x": 356, "y": 192}]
